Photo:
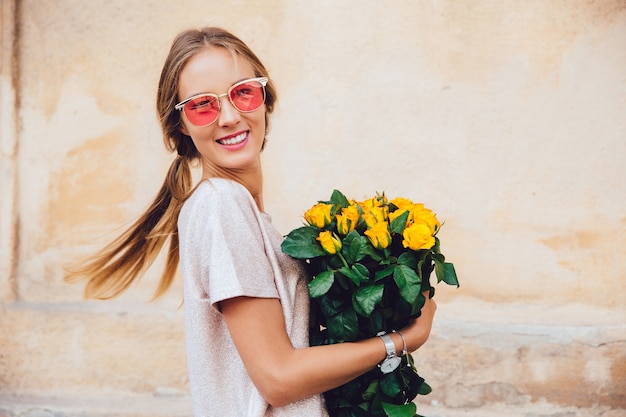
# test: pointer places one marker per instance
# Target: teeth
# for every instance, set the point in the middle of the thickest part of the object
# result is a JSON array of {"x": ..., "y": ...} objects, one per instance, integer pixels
[{"x": 235, "y": 140}]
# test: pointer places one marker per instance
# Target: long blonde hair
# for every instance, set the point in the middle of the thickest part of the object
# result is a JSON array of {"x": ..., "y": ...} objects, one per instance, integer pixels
[{"x": 113, "y": 269}]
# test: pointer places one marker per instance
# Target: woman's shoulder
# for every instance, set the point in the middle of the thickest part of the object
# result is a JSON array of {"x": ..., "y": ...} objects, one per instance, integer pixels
[
  {"x": 221, "y": 186},
  {"x": 220, "y": 196},
  {"x": 219, "y": 190},
  {"x": 218, "y": 207}
]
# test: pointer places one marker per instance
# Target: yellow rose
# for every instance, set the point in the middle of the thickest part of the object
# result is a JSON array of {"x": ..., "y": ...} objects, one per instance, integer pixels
[
  {"x": 378, "y": 201},
  {"x": 347, "y": 220},
  {"x": 319, "y": 215},
  {"x": 366, "y": 205},
  {"x": 395, "y": 214},
  {"x": 420, "y": 214},
  {"x": 418, "y": 236},
  {"x": 331, "y": 244},
  {"x": 402, "y": 203},
  {"x": 375, "y": 215},
  {"x": 379, "y": 235}
]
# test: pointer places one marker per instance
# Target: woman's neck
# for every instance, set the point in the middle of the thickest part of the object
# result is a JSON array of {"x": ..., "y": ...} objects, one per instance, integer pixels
[{"x": 252, "y": 179}]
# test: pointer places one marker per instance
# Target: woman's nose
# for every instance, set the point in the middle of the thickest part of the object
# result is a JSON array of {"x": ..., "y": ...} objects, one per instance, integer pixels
[{"x": 228, "y": 114}]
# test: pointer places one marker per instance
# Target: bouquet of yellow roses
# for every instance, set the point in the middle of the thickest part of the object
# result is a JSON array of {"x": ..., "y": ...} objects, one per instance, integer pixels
[{"x": 369, "y": 263}]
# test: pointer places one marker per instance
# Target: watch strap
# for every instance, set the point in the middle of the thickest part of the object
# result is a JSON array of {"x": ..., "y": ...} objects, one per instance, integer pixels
[{"x": 390, "y": 347}]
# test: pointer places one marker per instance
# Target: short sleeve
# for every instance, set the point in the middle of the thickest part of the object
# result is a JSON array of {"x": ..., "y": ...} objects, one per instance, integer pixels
[{"x": 226, "y": 240}]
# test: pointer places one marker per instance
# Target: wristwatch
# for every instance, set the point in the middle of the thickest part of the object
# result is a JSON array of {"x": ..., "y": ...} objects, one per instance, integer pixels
[{"x": 392, "y": 361}]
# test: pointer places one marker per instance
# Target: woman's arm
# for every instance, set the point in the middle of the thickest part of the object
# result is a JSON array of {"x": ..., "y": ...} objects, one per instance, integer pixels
[{"x": 284, "y": 374}]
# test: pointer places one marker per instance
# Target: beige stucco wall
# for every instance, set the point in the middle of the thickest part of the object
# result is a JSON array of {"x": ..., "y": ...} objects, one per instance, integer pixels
[{"x": 507, "y": 118}]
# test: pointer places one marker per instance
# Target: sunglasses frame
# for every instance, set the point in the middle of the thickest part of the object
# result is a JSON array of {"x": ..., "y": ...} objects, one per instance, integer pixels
[{"x": 261, "y": 80}]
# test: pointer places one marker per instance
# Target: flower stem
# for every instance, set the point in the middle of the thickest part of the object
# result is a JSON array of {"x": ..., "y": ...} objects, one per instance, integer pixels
[{"x": 343, "y": 260}]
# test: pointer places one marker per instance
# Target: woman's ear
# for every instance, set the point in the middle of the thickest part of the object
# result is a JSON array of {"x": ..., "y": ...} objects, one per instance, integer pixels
[{"x": 183, "y": 129}]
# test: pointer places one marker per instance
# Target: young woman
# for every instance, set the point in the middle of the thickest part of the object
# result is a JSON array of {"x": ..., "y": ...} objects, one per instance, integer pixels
[{"x": 246, "y": 303}]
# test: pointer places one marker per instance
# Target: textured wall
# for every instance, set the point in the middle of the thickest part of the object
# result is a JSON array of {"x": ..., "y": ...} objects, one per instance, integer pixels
[{"x": 507, "y": 118}]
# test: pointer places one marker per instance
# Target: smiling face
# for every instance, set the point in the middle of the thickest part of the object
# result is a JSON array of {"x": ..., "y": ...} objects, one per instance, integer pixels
[{"x": 232, "y": 144}]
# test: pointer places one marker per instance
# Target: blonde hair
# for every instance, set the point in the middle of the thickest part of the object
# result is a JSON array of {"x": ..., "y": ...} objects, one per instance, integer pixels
[{"x": 113, "y": 269}]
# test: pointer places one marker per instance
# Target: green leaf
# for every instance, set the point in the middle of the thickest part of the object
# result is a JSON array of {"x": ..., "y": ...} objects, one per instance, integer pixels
[
  {"x": 357, "y": 307},
  {"x": 390, "y": 384},
  {"x": 440, "y": 270},
  {"x": 449, "y": 276},
  {"x": 358, "y": 274},
  {"x": 354, "y": 247},
  {"x": 360, "y": 411},
  {"x": 376, "y": 321},
  {"x": 409, "y": 259},
  {"x": 399, "y": 223},
  {"x": 338, "y": 199},
  {"x": 362, "y": 271},
  {"x": 321, "y": 283},
  {"x": 417, "y": 304},
  {"x": 394, "y": 410},
  {"x": 301, "y": 243},
  {"x": 425, "y": 389},
  {"x": 329, "y": 306},
  {"x": 408, "y": 282},
  {"x": 346, "y": 271},
  {"x": 412, "y": 381},
  {"x": 371, "y": 390},
  {"x": 437, "y": 247},
  {"x": 368, "y": 296},
  {"x": 384, "y": 273},
  {"x": 342, "y": 280},
  {"x": 445, "y": 271},
  {"x": 343, "y": 326},
  {"x": 373, "y": 253}
]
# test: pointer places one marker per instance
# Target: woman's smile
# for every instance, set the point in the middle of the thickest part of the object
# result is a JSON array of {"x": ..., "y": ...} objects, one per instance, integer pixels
[{"x": 234, "y": 140}]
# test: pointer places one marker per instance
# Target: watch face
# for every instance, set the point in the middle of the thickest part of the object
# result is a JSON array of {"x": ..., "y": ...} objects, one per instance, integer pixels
[{"x": 389, "y": 365}]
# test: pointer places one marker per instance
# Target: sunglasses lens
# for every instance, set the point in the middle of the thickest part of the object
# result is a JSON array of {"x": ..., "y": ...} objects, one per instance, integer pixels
[
  {"x": 248, "y": 96},
  {"x": 202, "y": 110}
]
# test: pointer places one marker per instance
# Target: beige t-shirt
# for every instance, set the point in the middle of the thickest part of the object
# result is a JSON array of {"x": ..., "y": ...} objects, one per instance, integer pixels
[{"x": 228, "y": 248}]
